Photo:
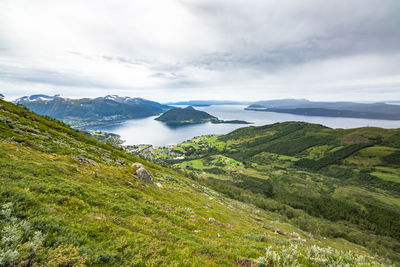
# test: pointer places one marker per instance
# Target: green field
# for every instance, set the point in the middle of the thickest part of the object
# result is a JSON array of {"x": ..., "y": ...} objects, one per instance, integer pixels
[
  {"x": 387, "y": 176},
  {"x": 283, "y": 157}
]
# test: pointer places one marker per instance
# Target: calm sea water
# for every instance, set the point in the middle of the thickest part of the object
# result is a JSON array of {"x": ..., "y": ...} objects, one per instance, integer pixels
[{"x": 150, "y": 131}]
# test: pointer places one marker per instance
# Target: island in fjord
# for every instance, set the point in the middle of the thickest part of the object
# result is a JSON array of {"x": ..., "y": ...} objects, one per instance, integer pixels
[{"x": 189, "y": 115}]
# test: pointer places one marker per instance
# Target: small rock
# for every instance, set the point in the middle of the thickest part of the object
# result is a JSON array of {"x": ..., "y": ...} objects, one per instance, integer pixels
[
  {"x": 82, "y": 159},
  {"x": 210, "y": 198},
  {"x": 279, "y": 232},
  {"x": 195, "y": 187},
  {"x": 295, "y": 235},
  {"x": 159, "y": 185},
  {"x": 103, "y": 150},
  {"x": 245, "y": 262},
  {"x": 197, "y": 231},
  {"x": 211, "y": 219},
  {"x": 30, "y": 144},
  {"x": 219, "y": 236}
]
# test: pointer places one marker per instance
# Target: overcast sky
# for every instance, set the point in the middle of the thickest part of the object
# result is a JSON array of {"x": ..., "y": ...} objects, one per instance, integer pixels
[{"x": 201, "y": 49}]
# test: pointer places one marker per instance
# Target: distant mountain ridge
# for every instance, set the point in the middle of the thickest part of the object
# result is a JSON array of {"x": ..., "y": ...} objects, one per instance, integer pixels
[
  {"x": 205, "y": 103},
  {"x": 32, "y": 98},
  {"x": 329, "y": 109},
  {"x": 92, "y": 111},
  {"x": 135, "y": 101}
]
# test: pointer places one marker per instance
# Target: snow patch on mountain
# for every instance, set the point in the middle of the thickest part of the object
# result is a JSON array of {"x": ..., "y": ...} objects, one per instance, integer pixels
[{"x": 34, "y": 98}]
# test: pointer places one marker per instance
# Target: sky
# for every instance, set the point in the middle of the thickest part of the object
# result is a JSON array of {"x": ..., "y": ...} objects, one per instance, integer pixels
[{"x": 168, "y": 50}]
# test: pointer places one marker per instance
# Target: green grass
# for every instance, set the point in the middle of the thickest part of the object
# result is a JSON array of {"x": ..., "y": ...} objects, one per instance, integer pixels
[
  {"x": 387, "y": 176},
  {"x": 377, "y": 151},
  {"x": 196, "y": 164},
  {"x": 106, "y": 203},
  {"x": 283, "y": 157},
  {"x": 226, "y": 163}
]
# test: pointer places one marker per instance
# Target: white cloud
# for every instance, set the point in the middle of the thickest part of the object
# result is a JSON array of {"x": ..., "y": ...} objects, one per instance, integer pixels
[{"x": 169, "y": 50}]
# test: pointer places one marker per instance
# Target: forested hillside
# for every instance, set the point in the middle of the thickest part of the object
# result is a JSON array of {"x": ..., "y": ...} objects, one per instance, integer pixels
[
  {"x": 185, "y": 116},
  {"x": 336, "y": 183}
]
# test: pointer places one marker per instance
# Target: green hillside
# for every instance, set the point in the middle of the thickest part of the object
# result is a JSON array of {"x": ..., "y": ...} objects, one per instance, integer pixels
[
  {"x": 189, "y": 115},
  {"x": 185, "y": 116},
  {"x": 343, "y": 184},
  {"x": 69, "y": 200}
]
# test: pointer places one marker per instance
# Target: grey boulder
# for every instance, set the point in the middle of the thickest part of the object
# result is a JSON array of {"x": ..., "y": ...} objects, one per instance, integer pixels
[{"x": 142, "y": 173}]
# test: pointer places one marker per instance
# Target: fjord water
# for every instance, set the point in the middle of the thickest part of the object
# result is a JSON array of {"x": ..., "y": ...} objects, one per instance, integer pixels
[{"x": 150, "y": 131}]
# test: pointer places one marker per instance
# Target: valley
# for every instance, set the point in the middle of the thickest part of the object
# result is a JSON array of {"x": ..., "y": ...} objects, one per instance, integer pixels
[{"x": 331, "y": 182}]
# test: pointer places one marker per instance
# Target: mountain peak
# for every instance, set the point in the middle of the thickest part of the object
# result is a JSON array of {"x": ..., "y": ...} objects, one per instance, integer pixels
[{"x": 33, "y": 98}]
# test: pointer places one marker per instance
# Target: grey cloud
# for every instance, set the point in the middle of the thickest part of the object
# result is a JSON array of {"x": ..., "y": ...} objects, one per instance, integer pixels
[
  {"x": 183, "y": 84},
  {"x": 161, "y": 70},
  {"x": 42, "y": 76},
  {"x": 125, "y": 60},
  {"x": 261, "y": 34},
  {"x": 111, "y": 58},
  {"x": 168, "y": 75}
]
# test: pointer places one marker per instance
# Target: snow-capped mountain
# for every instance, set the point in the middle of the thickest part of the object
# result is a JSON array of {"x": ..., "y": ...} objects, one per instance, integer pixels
[
  {"x": 91, "y": 111},
  {"x": 115, "y": 98},
  {"x": 34, "y": 98},
  {"x": 134, "y": 101},
  {"x": 123, "y": 99}
]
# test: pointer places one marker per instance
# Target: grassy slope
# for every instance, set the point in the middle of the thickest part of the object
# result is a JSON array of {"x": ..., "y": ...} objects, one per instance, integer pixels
[
  {"x": 331, "y": 182},
  {"x": 101, "y": 215}
]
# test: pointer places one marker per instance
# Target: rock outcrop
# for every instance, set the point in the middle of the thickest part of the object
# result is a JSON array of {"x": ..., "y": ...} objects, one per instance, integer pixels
[
  {"x": 82, "y": 159},
  {"x": 142, "y": 173}
]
